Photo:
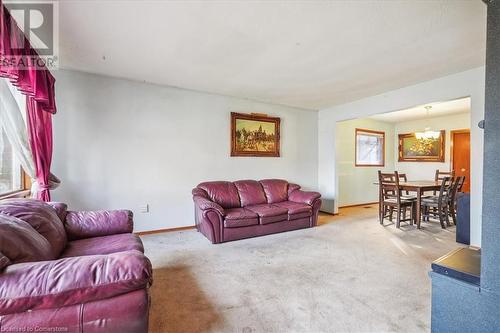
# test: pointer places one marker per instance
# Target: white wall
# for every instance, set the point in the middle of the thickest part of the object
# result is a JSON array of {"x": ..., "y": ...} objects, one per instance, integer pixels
[
  {"x": 356, "y": 183},
  {"x": 468, "y": 83},
  {"x": 122, "y": 144},
  {"x": 426, "y": 170}
]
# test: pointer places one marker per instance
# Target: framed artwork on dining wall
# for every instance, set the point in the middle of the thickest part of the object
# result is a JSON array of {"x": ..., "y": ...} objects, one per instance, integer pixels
[
  {"x": 255, "y": 135},
  {"x": 413, "y": 149}
]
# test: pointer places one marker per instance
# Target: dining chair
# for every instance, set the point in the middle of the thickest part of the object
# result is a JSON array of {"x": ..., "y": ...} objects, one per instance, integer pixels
[
  {"x": 391, "y": 200},
  {"x": 452, "y": 205},
  {"x": 385, "y": 178},
  {"x": 438, "y": 205},
  {"x": 406, "y": 194},
  {"x": 402, "y": 178},
  {"x": 439, "y": 176}
]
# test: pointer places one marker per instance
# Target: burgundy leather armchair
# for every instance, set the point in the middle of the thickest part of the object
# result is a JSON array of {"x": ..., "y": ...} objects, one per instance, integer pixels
[
  {"x": 65, "y": 271},
  {"x": 226, "y": 211}
]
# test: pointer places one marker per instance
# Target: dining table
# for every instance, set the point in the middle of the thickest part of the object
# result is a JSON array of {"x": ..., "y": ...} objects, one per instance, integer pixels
[{"x": 419, "y": 187}]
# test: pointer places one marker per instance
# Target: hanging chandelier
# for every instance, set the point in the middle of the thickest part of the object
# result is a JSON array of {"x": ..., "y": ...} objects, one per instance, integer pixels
[{"x": 427, "y": 133}]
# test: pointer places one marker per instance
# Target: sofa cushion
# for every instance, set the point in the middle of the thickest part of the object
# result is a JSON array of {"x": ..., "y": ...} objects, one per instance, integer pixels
[
  {"x": 223, "y": 193},
  {"x": 69, "y": 281},
  {"x": 251, "y": 192},
  {"x": 4, "y": 261},
  {"x": 269, "y": 213},
  {"x": 103, "y": 245},
  {"x": 42, "y": 217},
  {"x": 21, "y": 243},
  {"x": 240, "y": 217},
  {"x": 276, "y": 190},
  {"x": 239, "y": 214},
  {"x": 88, "y": 224},
  {"x": 295, "y": 210}
]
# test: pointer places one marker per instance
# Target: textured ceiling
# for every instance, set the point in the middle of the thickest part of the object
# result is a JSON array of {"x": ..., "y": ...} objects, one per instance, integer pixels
[{"x": 309, "y": 54}]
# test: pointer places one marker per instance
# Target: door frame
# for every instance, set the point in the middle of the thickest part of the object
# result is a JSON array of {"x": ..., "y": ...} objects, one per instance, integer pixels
[{"x": 452, "y": 133}]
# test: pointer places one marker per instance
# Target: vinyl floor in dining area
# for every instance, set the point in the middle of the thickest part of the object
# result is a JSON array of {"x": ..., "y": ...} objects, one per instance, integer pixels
[{"x": 349, "y": 274}]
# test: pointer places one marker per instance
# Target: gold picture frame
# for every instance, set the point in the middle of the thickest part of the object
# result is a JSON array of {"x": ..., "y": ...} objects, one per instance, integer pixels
[{"x": 255, "y": 135}]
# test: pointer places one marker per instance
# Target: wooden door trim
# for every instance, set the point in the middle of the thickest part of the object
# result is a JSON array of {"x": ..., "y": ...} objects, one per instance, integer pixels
[{"x": 452, "y": 134}]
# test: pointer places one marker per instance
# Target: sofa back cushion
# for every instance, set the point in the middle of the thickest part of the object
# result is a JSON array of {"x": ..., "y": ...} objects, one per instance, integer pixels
[
  {"x": 251, "y": 192},
  {"x": 223, "y": 193},
  {"x": 276, "y": 190},
  {"x": 42, "y": 217},
  {"x": 21, "y": 243}
]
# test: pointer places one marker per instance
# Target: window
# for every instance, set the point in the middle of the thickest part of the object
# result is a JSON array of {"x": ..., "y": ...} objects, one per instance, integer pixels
[
  {"x": 12, "y": 177},
  {"x": 370, "y": 148},
  {"x": 11, "y": 174}
]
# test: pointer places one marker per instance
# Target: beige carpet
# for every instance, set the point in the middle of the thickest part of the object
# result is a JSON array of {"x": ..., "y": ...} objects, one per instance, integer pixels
[{"x": 348, "y": 275}]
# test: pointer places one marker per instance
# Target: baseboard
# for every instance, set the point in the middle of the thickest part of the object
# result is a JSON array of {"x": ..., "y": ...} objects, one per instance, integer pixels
[
  {"x": 328, "y": 213},
  {"x": 159, "y": 231},
  {"x": 358, "y": 205}
]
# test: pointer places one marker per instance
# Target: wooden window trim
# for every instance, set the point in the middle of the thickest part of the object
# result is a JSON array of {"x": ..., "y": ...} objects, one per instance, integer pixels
[
  {"x": 23, "y": 192},
  {"x": 356, "y": 164},
  {"x": 15, "y": 194}
]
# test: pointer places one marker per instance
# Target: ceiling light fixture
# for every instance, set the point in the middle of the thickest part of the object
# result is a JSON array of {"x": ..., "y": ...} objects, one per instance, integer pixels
[{"x": 427, "y": 133}]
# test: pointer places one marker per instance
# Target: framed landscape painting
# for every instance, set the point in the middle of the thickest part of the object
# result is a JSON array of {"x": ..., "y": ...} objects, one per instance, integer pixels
[
  {"x": 255, "y": 135},
  {"x": 412, "y": 149}
]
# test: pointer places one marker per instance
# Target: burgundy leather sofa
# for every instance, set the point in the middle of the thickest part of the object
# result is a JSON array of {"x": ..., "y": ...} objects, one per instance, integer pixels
[
  {"x": 68, "y": 271},
  {"x": 227, "y": 211}
]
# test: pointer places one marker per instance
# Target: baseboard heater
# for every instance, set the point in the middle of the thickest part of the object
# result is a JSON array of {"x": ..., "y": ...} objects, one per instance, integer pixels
[{"x": 328, "y": 206}]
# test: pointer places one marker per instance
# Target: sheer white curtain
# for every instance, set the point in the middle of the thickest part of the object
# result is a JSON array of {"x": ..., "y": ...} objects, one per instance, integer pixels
[{"x": 13, "y": 124}]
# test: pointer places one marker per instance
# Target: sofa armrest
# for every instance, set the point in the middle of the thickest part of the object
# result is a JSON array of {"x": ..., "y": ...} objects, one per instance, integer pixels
[
  {"x": 304, "y": 197},
  {"x": 69, "y": 281},
  {"x": 206, "y": 204},
  {"x": 293, "y": 187},
  {"x": 60, "y": 208},
  {"x": 98, "y": 223}
]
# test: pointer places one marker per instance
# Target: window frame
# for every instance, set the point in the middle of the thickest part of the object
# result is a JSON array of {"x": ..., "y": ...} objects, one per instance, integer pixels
[
  {"x": 367, "y": 131},
  {"x": 23, "y": 192},
  {"x": 25, "y": 180}
]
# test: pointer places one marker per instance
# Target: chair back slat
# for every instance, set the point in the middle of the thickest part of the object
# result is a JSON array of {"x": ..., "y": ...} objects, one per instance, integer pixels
[
  {"x": 402, "y": 178},
  {"x": 457, "y": 186},
  {"x": 446, "y": 190},
  {"x": 461, "y": 182}
]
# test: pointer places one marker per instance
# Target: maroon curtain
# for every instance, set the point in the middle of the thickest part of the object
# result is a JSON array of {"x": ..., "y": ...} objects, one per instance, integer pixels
[
  {"x": 40, "y": 136},
  {"x": 21, "y": 64}
]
